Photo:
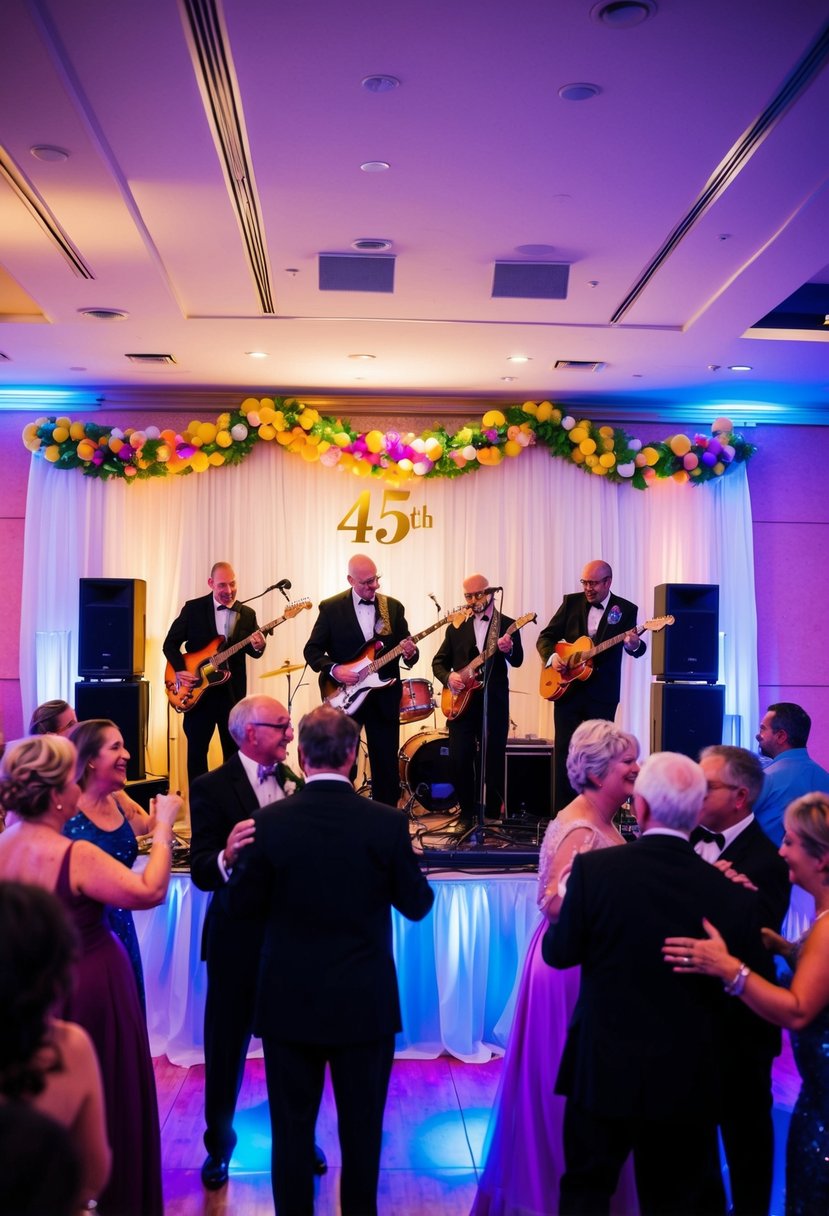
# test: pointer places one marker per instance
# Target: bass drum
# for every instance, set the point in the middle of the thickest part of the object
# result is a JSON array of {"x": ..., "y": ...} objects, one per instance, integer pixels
[{"x": 425, "y": 772}]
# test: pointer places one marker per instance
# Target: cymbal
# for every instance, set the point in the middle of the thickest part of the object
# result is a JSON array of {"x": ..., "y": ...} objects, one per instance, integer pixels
[{"x": 284, "y": 670}]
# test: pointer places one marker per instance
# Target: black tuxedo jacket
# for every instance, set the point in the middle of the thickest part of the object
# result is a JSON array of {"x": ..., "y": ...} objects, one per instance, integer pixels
[
  {"x": 459, "y": 646},
  {"x": 219, "y": 800},
  {"x": 338, "y": 638},
  {"x": 322, "y": 875},
  {"x": 195, "y": 627},
  {"x": 570, "y": 623},
  {"x": 642, "y": 1039}
]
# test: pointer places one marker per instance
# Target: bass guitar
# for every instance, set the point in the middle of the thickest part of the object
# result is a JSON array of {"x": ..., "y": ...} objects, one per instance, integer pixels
[
  {"x": 349, "y": 697},
  {"x": 453, "y": 704},
  {"x": 579, "y": 656},
  {"x": 208, "y": 664}
]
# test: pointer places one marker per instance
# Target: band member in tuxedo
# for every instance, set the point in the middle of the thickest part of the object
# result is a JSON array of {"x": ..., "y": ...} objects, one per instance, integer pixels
[
  {"x": 222, "y": 804},
  {"x": 198, "y": 624},
  {"x": 327, "y": 985},
  {"x": 353, "y": 623},
  {"x": 597, "y": 613},
  {"x": 467, "y": 744},
  {"x": 728, "y": 831}
]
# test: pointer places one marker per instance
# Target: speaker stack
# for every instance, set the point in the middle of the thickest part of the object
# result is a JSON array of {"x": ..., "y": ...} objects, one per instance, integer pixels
[
  {"x": 687, "y": 703},
  {"x": 111, "y": 644},
  {"x": 528, "y": 784}
]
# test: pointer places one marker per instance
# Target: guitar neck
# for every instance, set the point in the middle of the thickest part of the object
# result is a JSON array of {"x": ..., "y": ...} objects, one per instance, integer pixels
[
  {"x": 222, "y": 656},
  {"x": 387, "y": 657},
  {"x": 490, "y": 648},
  {"x": 602, "y": 646}
]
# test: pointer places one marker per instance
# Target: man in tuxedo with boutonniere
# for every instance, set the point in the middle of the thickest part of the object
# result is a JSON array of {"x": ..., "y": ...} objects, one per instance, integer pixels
[
  {"x": 198, "y": 624},
  {"x": 327, "y": 991},
  {"x": 347, "y": 624},
  {"x": 222, "y": 803},
  {"x": 597, "y": 613}
]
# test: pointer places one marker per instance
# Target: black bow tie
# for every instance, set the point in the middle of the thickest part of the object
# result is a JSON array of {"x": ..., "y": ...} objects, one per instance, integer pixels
[
  {"x": 702, "y": 834},
  {"x": 370, "y": 603},
  {"x": 226, "y": 607},
  {"x": 263, "y": 771},
  {"x": 484, "y": 618}
]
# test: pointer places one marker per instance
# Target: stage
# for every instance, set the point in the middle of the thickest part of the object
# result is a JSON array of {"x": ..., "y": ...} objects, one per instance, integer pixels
[{"x": 457, "y": 969}]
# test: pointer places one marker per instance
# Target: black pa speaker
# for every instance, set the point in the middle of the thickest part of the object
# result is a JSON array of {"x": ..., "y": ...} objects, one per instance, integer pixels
[
  {"x": 127, "y": 705},
  {"x": 686, "y": 717},
  {"x": 690, "y": 648},
  {"x": 111, "y": 628},
  {"x": 528, "y": 784}
]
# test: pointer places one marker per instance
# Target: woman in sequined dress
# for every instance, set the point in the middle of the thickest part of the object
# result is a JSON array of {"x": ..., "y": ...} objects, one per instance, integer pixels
[
  {"x": 108, "y": 817},
  {"x": 524, "y": 1145},
  {"x": 802, "y": 1007}
]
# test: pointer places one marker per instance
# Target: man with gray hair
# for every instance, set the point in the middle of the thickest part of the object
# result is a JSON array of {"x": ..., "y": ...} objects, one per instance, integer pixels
[
  {"x": 631, "y": 1068},
  {"x": 222, "y": 803}
]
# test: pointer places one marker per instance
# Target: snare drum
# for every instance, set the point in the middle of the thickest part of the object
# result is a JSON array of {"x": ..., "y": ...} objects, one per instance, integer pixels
[
  {"x": 416, "y": 700},
  {"x": 425, "y": 772}
]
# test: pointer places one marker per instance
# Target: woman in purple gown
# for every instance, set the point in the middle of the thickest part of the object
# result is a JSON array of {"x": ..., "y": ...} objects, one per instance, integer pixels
[
  {"x": 37, "y": 781},
  {"x": 524, "y": 1149}
]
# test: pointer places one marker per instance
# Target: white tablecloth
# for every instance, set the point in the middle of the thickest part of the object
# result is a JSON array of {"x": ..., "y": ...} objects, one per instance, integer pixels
[{"x": 457, "y": 969}]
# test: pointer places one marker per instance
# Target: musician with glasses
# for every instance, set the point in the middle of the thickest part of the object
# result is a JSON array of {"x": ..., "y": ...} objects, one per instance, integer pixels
[
  {"x": 222, "y": 803},
  {"x": 486, "y": 630},
  {"x": 198, "y": 624},
  {"x": 598, "y": 614},
  {"x": 351, "y": 625}
]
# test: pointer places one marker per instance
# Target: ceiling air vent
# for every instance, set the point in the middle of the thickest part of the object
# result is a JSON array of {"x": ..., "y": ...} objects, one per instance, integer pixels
[
  {"x": 530, "y": 280},
  {"x": 139, "y": 358},
  {"x": 577, "y": 365},
  {"x": 352, "y": 272},
  {"x": 104, "y": 314}
]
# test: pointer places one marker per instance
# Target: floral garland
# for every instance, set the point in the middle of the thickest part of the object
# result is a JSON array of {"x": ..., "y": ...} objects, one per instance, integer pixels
[{"x": 605, "y": 451}]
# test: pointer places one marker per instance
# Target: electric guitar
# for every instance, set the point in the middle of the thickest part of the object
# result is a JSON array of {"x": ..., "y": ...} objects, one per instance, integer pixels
[
  {"x": 579, "y": 657},
  {"x": 207, "y": 664},
  {"x": 349, "y": 697},
  {"x": 453, "y": 704}
]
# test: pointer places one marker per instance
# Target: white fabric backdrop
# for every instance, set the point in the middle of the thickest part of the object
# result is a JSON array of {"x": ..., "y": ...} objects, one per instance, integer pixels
[{"x": 530, "y": 525}]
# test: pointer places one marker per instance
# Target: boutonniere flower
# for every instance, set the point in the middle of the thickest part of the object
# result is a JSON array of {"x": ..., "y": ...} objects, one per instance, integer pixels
[
  {"x": 615, "y": 615},
  {"x": 289, "y": 788}
]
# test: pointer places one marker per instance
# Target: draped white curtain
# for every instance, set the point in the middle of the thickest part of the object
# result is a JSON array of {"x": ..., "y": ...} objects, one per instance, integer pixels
[{"x": 530, "y": 524}]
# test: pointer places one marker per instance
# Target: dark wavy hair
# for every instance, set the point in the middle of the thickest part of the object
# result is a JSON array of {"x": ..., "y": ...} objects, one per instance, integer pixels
[
  {"x": 31, "y": 770},
  {"x": 44, "y": 720},
  {"x": 37, "y": 948}
]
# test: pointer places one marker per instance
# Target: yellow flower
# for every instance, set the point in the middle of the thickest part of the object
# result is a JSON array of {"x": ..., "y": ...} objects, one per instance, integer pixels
[
  {"x": 493, "y": 418},
  {"x": 530, "y": 407},
  {"x": 545, "y": 411}
]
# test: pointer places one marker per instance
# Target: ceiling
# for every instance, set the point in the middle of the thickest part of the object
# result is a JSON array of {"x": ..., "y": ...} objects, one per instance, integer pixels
[{"x": 683, "y": 203}]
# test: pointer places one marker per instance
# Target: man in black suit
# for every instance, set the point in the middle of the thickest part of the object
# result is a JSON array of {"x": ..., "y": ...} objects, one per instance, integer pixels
[
  {"x": 467, "y": 739},
  {"x": 222, "y": 804},
  {"x": 598, "y": 614},
  {"x": 640, "y": 1068},
  {"x": 198, "y": 624},
  {"x": 729, "y": 832},
  {"x": 322, "y": 875},
  {"x": 356, "y": 623}
]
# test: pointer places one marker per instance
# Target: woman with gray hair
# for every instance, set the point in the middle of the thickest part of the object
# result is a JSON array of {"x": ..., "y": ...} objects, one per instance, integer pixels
[{"x": 525, "y": 1153}]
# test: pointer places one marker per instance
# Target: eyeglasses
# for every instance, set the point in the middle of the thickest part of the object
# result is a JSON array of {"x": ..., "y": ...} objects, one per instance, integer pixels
[
  {"x": 367, "y": 582},
  {"x": 283, "y": 726},
  {"x": 721, "y": 785},
  {"x": 590, "y": 583},
  {"x": 475, "y": 595}
]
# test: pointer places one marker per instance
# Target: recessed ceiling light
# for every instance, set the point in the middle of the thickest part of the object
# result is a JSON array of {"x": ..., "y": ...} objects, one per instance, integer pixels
[
  {"x": 371, "y": 244},
  {"x": 375, "y": 166},
  {"x": 380, "y": 84},
  {"x": 362, "y": 356},
  {"x": 739, "y": 367},
  {"x": 509, "y": 379},
  {"x": 49, "y": 152},
  {"x": 536, "y": 251},
  {"x": 104, "y": 314},
  {"x": 623, "y": 14},
  {"x": 581, "y": 91},
  {"x": 256, "y": 354},
  {"x": 519, "y": 359}
]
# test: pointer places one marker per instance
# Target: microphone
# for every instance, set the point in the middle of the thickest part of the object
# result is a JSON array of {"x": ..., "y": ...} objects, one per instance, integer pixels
[
  {"x": 434, "y": 601},
  {"x": 284, "y": 585},
  {"x": 490, "y": 590}
]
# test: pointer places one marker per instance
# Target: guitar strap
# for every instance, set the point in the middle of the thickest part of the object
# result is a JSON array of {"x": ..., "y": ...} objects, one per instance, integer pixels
[{"x": 383, "y": 627}]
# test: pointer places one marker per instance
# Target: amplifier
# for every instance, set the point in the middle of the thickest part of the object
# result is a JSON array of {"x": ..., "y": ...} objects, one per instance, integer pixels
[{"x": 528, "y": 786}]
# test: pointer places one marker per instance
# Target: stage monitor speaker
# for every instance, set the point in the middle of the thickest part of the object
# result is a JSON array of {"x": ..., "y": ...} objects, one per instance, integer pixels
[
  {"x": 690, "y": 648},
  {"x": 127, "y": 705},
  {"x": 144, "y": 791},
  {"x": 111, "y": 628},
  {"x": 686, "y": 717},
  {"x": 529, "y": 778}
]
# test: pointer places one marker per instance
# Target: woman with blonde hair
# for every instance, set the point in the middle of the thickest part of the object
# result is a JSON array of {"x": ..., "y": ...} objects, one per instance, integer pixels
[{"x": 37, "y": 781}]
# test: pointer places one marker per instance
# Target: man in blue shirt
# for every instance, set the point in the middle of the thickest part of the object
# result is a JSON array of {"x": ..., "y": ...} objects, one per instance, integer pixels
[{"x": 783, "y": 735}]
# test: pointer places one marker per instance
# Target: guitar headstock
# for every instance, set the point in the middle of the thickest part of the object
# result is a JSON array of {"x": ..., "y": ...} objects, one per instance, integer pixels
[
  {"x": 525, "y": 620},
  {"x": 296, "y": 607},
  {"x": 658, "y": 623},
  {"x": 458, "y": 615}
]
